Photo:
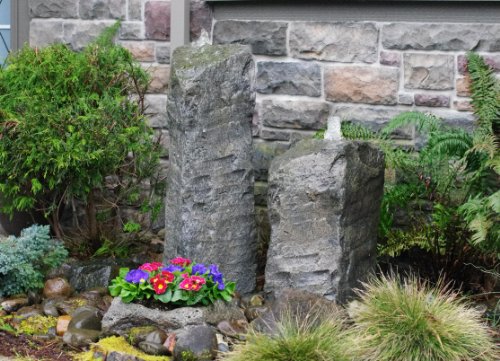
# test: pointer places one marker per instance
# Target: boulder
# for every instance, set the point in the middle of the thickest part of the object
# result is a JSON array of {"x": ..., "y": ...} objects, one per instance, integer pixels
[
  {"x": 324, "y": 203},
  {"x": 196, "y": 343},
  {"x": 56, "y": 287},
  {"x": 210, "y": 195}
]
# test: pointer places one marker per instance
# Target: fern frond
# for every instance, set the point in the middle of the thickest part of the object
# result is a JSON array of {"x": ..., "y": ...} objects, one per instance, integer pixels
[
  {"x": 451, "y": 143},
  {"x": 485, "y": 92},
  {"x": 357, "y": 132},
  {"x": 423, "y": 122}
]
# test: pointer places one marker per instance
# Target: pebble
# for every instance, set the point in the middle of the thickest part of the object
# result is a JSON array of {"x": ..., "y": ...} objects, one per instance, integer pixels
[
  {"x": 14, "y": 304},
  {"x": 57, "y": 287}
]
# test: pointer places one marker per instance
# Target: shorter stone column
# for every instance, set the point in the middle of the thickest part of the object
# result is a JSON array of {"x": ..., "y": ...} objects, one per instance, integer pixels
[{"x": 324, "y": 202}]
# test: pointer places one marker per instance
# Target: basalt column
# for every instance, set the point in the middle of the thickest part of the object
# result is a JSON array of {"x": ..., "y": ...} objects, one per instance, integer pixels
[{"x": 210, "y": 202}]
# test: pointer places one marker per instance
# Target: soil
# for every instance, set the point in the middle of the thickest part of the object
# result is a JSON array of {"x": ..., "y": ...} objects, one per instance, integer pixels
[{"x": 25, "y": 346}]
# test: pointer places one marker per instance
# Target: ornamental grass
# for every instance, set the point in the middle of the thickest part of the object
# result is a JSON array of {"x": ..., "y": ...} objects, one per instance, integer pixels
[
  {"x": 411, "y": 321},
  {"x": 317, "y": 336}
]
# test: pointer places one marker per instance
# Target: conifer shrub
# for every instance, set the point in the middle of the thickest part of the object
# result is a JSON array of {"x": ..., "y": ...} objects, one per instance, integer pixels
[
  {"x": 409, "y": 320},
  {"x": 72, "y": 127},
  {"x": 24, "y": 260}
]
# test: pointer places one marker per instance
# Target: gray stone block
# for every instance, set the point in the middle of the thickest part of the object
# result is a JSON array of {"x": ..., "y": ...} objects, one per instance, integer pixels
[
  {"x": 103, "y": 9},
  {"x": 131, "y": 30},
  {"x": 288, "y": 78},
  {"x": 345, "y": 42},
  {"x": 210, "y": 199},
  {"x": 265, "y": 37},
  {"x": 53, "y": 8},
  {"x": 135, "y": 9},
  {"x": 163, "y": 54},
  {"x": 156, "y": 110},
  {"x": 429, "y": 71},
  {"x": 444, "y": 37},
  {"x": 45, "y": 32},
  {"x": 324, "y": 202},
  {"x": 293, "y": 114},
  {"x": 79, "y": 33}
]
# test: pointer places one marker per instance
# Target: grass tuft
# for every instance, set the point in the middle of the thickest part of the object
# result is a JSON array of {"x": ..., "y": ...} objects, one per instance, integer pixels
[
  {"x": 315, "y": 337},
  {"x": 409, "y": 320}
]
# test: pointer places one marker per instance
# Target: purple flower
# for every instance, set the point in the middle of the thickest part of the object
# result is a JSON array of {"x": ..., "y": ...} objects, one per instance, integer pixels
[
  {"x": 217, "y": 277},
  {"x": 136, "y": 276},
  {"x": 199, "y": 269},
  {"x": 173, "y": 268}
]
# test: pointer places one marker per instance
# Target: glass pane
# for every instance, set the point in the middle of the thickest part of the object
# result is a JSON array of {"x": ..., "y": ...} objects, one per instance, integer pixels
[
  {"x": 4, "y": 44},
  {"x": 4, "y": 12}
]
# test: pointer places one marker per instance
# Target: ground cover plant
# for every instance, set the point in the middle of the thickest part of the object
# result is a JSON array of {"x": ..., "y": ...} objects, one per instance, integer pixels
[
  {"x": 72, "y": 127},
  {"x": 180, "y": 283},
  {"x": 409, "y": 320}
]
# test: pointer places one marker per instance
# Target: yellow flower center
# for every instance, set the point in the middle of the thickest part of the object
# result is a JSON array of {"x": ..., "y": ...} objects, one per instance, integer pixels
[{"x": 160, "y": 287}]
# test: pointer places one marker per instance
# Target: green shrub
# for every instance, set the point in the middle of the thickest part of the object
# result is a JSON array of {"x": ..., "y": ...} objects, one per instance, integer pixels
[
  {"x": 72, "y": 126},
  {"x": 316, "y": 337},
  {"x": 411, "y": 321},
  {"x": 25, "y": 259}
]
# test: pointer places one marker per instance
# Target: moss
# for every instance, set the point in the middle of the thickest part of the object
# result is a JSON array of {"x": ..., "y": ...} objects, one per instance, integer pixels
[
  {"x": 134, "y": 332},
  {"x": 119, "y": 344},
  {"x": 36, "y": 325}
]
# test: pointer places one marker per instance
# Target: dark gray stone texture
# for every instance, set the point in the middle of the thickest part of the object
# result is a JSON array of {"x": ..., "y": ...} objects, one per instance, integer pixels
[
  {"x": 345, "y": 42},
  {"x": 265, "y": 37},
  {"x": 103, "y": 9},
  {"x": 210, "y": 204},
  {"x": 294, "y": 114},
  {"x": 288, "y": 78},
  {"x": 443, "y": 37},
  {"x": 324, "y": 202},
  {"x": 53, "y": 8}
]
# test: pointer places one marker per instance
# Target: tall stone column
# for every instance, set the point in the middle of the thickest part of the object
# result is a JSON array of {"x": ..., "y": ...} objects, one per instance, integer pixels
[
  {"x": 210, "y": 202},
  {"x": 324, "y": 204}
]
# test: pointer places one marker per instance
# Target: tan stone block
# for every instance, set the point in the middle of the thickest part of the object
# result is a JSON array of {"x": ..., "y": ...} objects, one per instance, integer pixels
[
  {"x": 160, "y": 77},
  {"x": 462, "y": 86},
  {"x": 141, "y": 51},
  {"x": 463, "y": 105},
  {"x": 362, "y": 84}
]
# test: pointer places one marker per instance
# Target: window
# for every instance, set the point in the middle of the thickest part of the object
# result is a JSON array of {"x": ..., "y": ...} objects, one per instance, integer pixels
[
  {"x": 14, "y": 26},
  {"x": 5, "y": 15}
]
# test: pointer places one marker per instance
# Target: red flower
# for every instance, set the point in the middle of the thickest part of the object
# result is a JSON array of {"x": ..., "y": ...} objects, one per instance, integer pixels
[
  {"x": 193, "y": 283},
  {"x": 179, "y": 261},
  {"x": 151, "y": 267},
  {"x": 198, "y": 280},
  {"x": 168, "y": 276},
  {"x": 160, "y": 286}
]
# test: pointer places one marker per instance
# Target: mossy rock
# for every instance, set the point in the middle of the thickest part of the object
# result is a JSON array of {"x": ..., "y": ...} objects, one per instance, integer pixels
[
  {"x": 117, "y": 344},
  {"x": 138, "y": 334},
  {"x": 36, "y": 325}
]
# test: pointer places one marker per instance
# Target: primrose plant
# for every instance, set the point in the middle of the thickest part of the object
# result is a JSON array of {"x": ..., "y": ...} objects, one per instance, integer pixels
[{"x": 179, "y": 283}]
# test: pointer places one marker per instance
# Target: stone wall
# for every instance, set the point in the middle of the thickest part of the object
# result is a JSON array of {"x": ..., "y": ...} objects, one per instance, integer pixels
[{"x": 305, "y": 71}]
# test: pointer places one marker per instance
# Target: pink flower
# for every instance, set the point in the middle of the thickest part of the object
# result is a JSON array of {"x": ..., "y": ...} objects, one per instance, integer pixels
[
  {"x": 151, "y": 267},
  {"x": 179, "y": 261},
  {"x": 193, "y": 283}
]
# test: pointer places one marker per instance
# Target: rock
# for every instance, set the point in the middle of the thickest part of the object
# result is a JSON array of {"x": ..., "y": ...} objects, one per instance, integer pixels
[
  {"x": 49, "y": 307},
  {"x": 87, "y": 275},
  {"x": 463, "y": 105},
  {"x": 201, "y": 19},
  {"x": 163, "y": 54},
  {"x": 432, "y": 100},
  {"x": 135, "y": 9},
  {"x": 264, "y": 37},
  {"x": 79, "y": 33},
  {"x": 45, "y": 32},
  {"x": 156, "y": 108},
  {"x": 198, "y": 342},
  {"x": 157, "y": 336},
  {"x": 221, "y": 310},
  {"x": 233, "y": 328},
  {"x": 131, "y": 30},
  {"x": 53, "y": 8},
  {"x": 288, "y": 78},
  {"x": 13, "y": 304},
  {"x": 442, "y": 37},
  {"x": 102, "y": 9},
  {"x": 254, "y": 312},
  {"x": 57, "y": 287},
  {"x": 263, "y": 153},
  {"x": 463, "y": 86},
  {"x": 293, "y": 114},
  {"x": 62, "y": 324},
  {"x": 123, "y": 316},
  {"x": 69, "y": 306},
  {"x": 222, "y": 345},
  {"x": 135, "y": 335},
  {"x": 493, "y": 60},
  {"x": 405, "y": 99},
  {"x": 87, "y": 318},
  {"x": 141, "y": 51},
  {"x": 153, "y": 348},
  {"x": 357, "y": 84},
  {"x": 329, "y": 194},
  {"x": 274, "y": 134},
  {"x": 29, "y": 311},
  {"x": 157, "y": 20},
  {"x": 210, "y": 197},
  {"x": 390, "y": 58},
  {"x": 428, "y": 71},
  {"x": 80, "y": 337},
  {"x": 160, "y": 77},
  {"x": 170, "y": 343},
  {"x": 345, "y": 42}
]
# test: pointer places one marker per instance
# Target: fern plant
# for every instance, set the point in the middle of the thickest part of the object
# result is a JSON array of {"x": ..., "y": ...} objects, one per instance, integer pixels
[{"x": 449, "y": 189}]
